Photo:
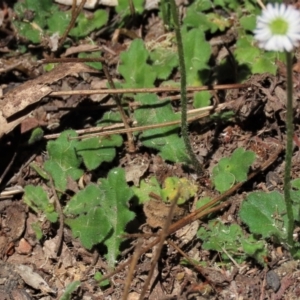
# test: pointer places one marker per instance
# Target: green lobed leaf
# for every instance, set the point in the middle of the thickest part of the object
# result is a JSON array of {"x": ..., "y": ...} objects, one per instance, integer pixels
[
  {"x": 86, "y": 217},
  {"x": 265, "y": 214},
  {"x": 58, "y": 21},
  {"x": 232, "y": 169},
  {"x": 63, "y": 160},
  {"x": 116, "y": 208},
  {"x": 178, "y": 187},
  {"x": 164, "y": 60},
  {"x": 37, "y": 199},
  {"x": 172, "y": 187},
  {"x": 231, "y": 238},
  {"x": 146, "y": 187},
  {"x": 218, "y": 22},
  {"x": 134, "y": 67},
  {"x": 95, "y": 151},
  {"x": 164, "y": 139},
  {"x": 197, "y": 54},
  {"x": 195, "y": 16},
  {"x": 100, "y": 213},
  {"x": 91, "y": 228},
  {"x": 40, "y": 10},
  {"x": 246, "y": 53},
  {"x": 91, "y": 196}
]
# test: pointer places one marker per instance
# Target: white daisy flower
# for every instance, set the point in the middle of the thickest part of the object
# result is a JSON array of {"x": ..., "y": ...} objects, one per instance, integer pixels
[{"x": 278, "y": 28}]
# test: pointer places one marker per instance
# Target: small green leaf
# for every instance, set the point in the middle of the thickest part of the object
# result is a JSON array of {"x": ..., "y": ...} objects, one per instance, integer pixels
[
  {"x": 202, "y": 99},
  {"x": 98, "y": 276},
  {"x": 164, "y": 139},
  {"x": 37, "y": 230},
  {"x": 85, "y": 25},
  {"x": 265, "y": 214},
  {"x": 296, "y": 183},
  {"x": 110, "y": 118},
  {"x": 63, "y": 160},
  {"x": 36, "y": 198},
  {"x": 223, "y": 181},
  {"x": 263, "y": 63},
  {"x": 36, "y": 135},
  {"x": 232, "y": 169},
  {"x": 27, "y": 31},
  {"x": 39, "y": 170},
  {"x": 70, "y": 288},
  {"x": 134, "y": 68},
  {"x": 124, "y": 10},
  {"x": 201, "y": 202},
  {"x": 248, "y": 22},
  {"x": 95, "y": 151}
]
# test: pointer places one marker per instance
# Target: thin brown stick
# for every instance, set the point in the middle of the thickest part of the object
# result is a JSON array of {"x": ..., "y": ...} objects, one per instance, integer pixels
[
  {"x": 98, "y": 131},
  {"x": 150, "y": 90},
  {"x": 75, "y": 14},
  {"x": 162, "y": 238},
  {"x": 72, "y": 59},
  {"x": 8, "y": 167},
  {"x": 116, "y": 97},
  {"x": 133, "y": 262},
  {"x": 60, "y": 231},
  {"x": 179, "y": 250},
  {"x": 200, "y": 212},
  {"x": 32, "y": 157}
]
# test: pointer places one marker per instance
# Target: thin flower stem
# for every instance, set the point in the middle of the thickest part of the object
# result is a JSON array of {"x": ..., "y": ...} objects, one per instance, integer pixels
[
  {"x": 184, "y": 124},
  {"x": 289, "y": 153}
]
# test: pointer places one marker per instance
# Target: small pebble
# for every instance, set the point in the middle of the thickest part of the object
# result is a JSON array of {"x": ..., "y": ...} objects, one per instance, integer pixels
[{"x": 273, "y": 281}]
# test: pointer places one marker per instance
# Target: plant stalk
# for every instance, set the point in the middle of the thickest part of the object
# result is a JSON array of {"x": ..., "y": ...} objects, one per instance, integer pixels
[
  {"x": 184, "y": 123},
  {"x": 289, "y": 153}
]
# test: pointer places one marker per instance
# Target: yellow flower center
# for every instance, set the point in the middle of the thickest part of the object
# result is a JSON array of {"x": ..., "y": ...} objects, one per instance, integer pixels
[{"x": 279, "y": 27}]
